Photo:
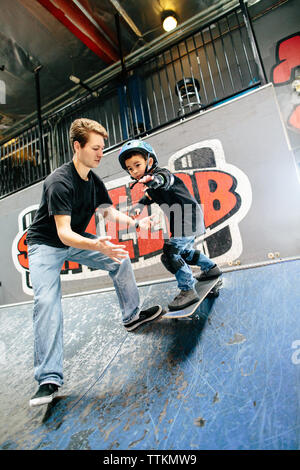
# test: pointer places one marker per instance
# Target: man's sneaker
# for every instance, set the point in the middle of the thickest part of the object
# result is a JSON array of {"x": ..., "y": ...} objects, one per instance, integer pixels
[
  {"x": 144, "y": 316},
  {"x": 183, "y": 299},
  {"x": 214, "y": 272},
  {"x": 44, "y": 395}
]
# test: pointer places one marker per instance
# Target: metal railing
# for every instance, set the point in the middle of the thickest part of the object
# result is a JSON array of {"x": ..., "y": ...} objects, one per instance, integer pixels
[
  {"x": 21, "y": 162},
  {"x": 199, "y": 71}
]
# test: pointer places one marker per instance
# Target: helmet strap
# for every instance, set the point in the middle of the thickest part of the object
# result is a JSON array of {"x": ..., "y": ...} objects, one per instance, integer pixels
[{"x": 147, "y": 165}]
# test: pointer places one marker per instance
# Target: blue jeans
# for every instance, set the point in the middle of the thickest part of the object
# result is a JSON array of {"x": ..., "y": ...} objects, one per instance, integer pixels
[
  {"x": 184, "y": 275},
  {"x": 45, "y": 263}
]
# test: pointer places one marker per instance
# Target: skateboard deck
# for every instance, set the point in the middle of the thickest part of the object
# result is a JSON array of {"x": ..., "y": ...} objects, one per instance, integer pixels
[{"x": 204, "y": 289}]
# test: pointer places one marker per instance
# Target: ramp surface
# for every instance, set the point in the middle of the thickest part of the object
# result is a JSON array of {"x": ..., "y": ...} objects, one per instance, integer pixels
[{"x": 228, "y": 379}]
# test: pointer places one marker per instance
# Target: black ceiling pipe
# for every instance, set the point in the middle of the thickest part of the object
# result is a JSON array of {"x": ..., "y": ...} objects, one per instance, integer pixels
[
  {"x": 40, "y": 122},
  {"x": 124, "y": 77}
]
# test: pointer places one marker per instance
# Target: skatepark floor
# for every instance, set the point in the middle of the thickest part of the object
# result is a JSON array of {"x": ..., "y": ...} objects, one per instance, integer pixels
[{"x": 227, "y": 379}]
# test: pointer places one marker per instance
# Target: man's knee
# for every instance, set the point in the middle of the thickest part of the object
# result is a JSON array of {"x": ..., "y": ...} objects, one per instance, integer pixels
[{"x": 123, "y": 266}]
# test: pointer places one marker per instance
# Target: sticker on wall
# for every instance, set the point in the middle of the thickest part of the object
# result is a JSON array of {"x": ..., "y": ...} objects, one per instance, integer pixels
[
  {"x": 287, "y": 60},
  {"x": 19, "y": 247},
  {"x": 222, "y": 189}
]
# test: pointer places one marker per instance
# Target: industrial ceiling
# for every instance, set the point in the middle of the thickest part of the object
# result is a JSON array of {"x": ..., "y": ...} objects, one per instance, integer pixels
[{"x": 60, "y": 38}]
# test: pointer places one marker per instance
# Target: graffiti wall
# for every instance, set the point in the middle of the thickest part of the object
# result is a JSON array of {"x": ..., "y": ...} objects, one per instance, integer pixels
[
  {"x": 286, "y": 72},
  {"x": 278, "y": 35},
  {"x": 236, "y": 162}
]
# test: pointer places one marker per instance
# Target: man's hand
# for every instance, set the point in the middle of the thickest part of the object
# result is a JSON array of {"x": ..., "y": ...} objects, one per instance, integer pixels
[
  {"x": 102, "y": 244},
  {"x": 117, "y": 216},
  {"x": 137, "y": 209},
  {"x": 115, "y": 252},
  {"x": 134, "y": 212},
  {"x": 147, "y": 222}
]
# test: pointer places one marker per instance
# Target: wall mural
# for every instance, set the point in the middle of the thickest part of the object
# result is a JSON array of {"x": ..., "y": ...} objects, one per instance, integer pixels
[
  {"x": 222, "y": 189},
  {"x": 286, "y": 71}
]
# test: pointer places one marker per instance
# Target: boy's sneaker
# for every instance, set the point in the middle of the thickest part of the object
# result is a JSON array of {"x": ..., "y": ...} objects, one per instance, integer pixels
[
  {"x": 214, "y": 272},
  {"x": 144, "y": 316},
  {"x": 44, "y": 395},
  {"x": 183, "y": 299}
]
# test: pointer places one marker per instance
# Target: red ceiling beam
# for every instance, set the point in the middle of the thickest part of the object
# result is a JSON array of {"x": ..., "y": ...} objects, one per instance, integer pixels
[{"x": 73, "y": 18}]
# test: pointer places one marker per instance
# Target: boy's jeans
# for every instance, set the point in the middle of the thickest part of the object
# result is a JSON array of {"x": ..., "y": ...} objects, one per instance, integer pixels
[
  {"x": 184, "y": 275},
  {"x": 45, "y": 263}
]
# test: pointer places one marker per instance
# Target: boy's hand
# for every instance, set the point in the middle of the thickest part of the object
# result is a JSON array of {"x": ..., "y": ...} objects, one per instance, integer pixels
[
  {"x": 152, "y": 182},
  {"x": 146, "y": 179}
]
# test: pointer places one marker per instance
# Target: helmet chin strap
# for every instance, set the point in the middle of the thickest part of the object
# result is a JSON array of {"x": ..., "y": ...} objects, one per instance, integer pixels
[{"x": 147, "y": 164}]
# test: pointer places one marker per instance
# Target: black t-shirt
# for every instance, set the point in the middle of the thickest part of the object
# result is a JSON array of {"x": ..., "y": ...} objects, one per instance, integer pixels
[
  {"x": 181, "y": 208},
  {"x": 66, "y": 193}
]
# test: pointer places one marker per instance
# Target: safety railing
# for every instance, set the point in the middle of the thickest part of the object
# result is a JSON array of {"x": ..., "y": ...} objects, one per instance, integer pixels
[
  {"x": 213, "y": 64},
  {"x": 21, "y": 161}
]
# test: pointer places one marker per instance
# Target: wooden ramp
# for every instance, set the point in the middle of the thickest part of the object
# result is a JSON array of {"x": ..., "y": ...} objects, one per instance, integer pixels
[{"x": 228, "y": 379}]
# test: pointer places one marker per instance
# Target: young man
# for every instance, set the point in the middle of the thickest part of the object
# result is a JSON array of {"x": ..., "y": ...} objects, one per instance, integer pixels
[
  {"x": 185, "y": 217},
  {"x": 70, "y": 197}
]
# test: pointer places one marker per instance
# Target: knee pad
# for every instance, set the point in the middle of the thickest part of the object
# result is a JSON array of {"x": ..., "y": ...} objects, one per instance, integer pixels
[
  {"x": 194, "y": 259},
  {"x": 169, "y": 260}
]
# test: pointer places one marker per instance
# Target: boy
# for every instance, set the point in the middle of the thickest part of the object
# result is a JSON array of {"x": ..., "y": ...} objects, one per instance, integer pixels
[
  {"x": 70, "y": 197},
  {"x": 185, "y": 217}
]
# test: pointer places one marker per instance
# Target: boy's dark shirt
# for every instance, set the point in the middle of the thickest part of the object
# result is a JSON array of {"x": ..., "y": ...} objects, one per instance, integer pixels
[
  {"x": 187, "y": 219},
  {"x": 66, "y": 193}
]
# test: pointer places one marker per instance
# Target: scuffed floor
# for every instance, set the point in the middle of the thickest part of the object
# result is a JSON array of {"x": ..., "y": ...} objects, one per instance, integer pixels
[{"x": 228, "y": 379}]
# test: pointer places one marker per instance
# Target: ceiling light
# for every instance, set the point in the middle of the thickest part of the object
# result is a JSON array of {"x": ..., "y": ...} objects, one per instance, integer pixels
[
  {"x": 169, "y": 20},
  {"x": 83, "y": 85},
  {"x": 74, "y": 79}
]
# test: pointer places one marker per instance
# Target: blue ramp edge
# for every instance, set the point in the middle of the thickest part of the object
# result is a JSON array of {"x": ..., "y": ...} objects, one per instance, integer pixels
[{"x": 228, "y": 379}]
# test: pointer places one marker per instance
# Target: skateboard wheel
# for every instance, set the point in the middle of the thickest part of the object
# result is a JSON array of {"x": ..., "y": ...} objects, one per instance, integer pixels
[
  {"x": 271, "y": 255},
  {"x": 213, "y": 294}
]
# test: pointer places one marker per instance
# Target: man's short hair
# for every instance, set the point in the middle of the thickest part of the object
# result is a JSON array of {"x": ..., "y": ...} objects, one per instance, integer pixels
[{"x": 80, "y": 129}]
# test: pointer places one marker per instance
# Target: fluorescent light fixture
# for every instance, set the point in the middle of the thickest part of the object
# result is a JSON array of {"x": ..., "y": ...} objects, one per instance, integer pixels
[
  {"x": 74, "y": 79},
  {"x": 169, "y": 20},
  {"x": 83, "y": 85}
]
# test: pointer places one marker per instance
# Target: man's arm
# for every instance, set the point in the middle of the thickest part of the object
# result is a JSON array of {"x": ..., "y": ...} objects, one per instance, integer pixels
[
  {"x": 116, "y": 216},
  {"x": 70, "y": 238}
]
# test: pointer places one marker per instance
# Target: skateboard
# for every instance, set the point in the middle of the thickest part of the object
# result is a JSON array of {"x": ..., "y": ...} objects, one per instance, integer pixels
[{"x": 204, "y": 289}]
